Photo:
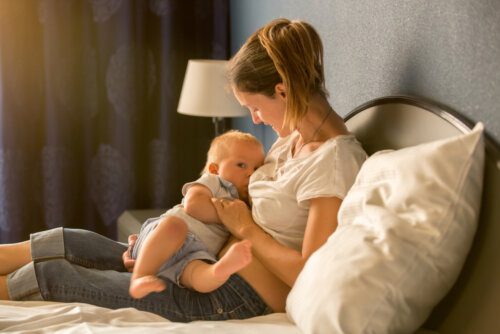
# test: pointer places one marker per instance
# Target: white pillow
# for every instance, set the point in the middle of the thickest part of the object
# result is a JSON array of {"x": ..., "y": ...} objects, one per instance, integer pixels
[{"x": 405, "y": 229}]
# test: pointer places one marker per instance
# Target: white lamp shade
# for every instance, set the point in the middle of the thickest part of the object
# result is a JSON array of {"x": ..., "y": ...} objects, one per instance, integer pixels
[{"x": 205, "y": 93}]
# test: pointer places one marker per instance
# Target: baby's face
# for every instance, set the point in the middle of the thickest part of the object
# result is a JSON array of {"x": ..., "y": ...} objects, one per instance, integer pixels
[{"x": 241, "y": 160}]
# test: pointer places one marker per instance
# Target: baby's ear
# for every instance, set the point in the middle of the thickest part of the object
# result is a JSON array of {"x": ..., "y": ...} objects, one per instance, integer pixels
[{"x": 213, "y": 168}]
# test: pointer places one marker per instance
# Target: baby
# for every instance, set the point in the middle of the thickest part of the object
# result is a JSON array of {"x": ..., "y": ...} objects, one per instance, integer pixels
[{"x": 181, "y": 245}]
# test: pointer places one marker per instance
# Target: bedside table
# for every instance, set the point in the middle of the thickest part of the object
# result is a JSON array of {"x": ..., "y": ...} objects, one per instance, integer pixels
[{"x": 130, "y": 221}]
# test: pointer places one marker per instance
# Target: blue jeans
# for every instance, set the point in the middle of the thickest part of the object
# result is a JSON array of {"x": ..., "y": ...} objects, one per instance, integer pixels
[{"x": 71, "y": 265}]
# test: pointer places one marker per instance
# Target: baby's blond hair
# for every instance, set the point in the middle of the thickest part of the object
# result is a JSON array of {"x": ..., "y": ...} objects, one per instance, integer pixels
[{"x": 219, "y": 145}]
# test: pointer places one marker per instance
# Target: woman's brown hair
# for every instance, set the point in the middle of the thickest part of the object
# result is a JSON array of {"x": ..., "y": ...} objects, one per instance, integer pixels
[{"x": 283, "y": 51}]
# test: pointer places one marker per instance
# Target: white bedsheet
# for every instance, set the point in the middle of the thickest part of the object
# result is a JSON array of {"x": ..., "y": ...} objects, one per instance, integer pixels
[{"x": 49, "y": 317}]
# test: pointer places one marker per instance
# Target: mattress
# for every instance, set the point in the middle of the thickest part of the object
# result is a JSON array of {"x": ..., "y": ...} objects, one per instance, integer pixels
[{"x": 51, "y": 317}]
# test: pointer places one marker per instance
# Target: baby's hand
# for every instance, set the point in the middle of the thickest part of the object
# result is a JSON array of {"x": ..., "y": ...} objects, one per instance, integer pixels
[
  {"x": 128, "y": 262},
  {"x": 235, "y": 215}
]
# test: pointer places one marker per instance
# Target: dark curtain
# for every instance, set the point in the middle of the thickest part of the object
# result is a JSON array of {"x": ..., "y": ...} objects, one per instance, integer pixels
[{"x": 88, "y": 100}]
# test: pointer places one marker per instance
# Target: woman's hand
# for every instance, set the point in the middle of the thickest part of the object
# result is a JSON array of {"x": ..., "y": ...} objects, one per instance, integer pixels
[
  {"x": 235, "y": 215},
  {"x": 127, "y": 261}
]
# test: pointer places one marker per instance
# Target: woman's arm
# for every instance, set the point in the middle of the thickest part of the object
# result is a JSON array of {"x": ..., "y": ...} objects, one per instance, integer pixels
[
  {"x": 284, "y": 262},
  {"x": 198, "y": 204}
]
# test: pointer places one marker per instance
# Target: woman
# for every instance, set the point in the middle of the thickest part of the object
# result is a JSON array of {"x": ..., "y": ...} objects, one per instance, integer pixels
[{"x": 277, "y": 74}]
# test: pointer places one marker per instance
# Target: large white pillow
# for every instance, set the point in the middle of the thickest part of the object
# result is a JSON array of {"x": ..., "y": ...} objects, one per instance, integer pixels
[{"x": 405, "y": 229}]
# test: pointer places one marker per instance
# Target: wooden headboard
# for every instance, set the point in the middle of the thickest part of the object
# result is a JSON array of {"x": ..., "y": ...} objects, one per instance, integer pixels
[{"x": 400, "y": 121}]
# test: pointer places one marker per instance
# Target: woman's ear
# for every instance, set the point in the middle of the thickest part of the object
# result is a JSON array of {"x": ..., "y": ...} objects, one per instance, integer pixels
[
  {"x": 213, "y": 168},
  {"x": 280, "y": 90}
]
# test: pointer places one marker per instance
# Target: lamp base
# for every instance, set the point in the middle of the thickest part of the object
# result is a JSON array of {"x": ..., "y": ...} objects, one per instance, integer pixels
[{"x": 219, "y": 125}]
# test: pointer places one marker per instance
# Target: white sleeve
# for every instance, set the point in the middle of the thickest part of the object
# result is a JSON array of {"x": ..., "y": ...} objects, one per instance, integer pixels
[
  {"x": 333, "y": 173},
  {"x": 211, "y": 181}
]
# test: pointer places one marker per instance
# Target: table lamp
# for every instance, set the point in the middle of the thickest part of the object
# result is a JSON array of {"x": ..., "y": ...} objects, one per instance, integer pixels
[{"x": 205, "y": 93}]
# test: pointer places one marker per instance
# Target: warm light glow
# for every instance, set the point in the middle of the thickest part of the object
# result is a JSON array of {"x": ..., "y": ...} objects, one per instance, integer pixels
[{"x": 205, "y": 91}]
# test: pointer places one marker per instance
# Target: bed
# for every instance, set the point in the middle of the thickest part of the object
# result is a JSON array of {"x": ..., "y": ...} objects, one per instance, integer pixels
[{"x": 454, "y": 288}]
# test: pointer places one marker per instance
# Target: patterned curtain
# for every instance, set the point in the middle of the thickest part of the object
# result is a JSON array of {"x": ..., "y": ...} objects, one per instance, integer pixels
[{"x": 88, "y": 99}]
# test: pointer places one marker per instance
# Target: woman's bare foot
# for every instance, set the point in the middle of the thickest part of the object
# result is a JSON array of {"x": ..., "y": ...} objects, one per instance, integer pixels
[
  {"x": 142, "y": 286},
  {"x": 237, "y": 257},
  {"x": 14, "y": 256},
  {"x": 4, "y": 293}
]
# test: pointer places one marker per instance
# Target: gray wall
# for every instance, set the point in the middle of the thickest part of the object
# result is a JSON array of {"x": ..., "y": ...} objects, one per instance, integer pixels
[{"x": 447, "y": 51}]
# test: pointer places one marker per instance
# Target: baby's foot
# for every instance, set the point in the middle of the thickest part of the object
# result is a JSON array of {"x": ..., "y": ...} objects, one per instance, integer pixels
[
  {"x": 237, "y": 257},
  {"x": 142, "y": 286}
]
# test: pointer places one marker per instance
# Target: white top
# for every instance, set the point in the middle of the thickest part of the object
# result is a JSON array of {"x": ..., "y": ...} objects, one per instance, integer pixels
[{"x": 282, "y": 188}]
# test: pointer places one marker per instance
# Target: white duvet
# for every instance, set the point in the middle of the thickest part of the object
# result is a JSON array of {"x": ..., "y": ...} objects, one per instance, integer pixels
[{"x": 50, "y": 317}]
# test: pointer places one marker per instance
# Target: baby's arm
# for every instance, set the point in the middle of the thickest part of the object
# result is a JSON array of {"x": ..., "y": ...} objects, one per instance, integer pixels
[{"x": 198, "y": 204}]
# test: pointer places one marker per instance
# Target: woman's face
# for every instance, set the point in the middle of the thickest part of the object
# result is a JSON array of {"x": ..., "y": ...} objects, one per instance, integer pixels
[{"x": 267, "y": 110}]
